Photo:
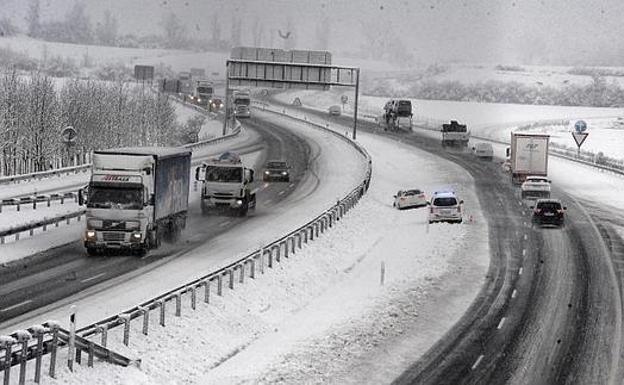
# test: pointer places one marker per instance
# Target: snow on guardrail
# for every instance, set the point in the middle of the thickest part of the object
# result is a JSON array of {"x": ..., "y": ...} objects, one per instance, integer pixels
[{"x": 247, "y": 267}]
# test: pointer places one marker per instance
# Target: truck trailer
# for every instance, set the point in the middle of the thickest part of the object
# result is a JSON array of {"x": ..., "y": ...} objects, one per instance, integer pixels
[
  {"x": 241, "y": 100},
  {"x": 136, "y": 198},
  {"x": 528, "y": 155},
  {"x": 455, "y": 134}
]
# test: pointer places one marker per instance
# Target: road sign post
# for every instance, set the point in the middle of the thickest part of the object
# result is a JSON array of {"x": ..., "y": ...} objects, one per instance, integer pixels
[
  {"x": 68, "y": 137},
  {"x": 579, "y": 134}
]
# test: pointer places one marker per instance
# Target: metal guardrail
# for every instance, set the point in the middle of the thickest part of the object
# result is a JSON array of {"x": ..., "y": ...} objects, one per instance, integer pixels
[
  {"x": 45, "y": 174},
  {"x": 35, "y": 200},
  {"x": 247, "y": 267},
  {"x": 43, "y": 223}
]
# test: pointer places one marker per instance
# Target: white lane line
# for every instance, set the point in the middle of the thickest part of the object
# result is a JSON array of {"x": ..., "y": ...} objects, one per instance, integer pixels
[
  {"x": 524, "y": 252},
  {"x": 15, "y": 306},
  {"x": 268, "y": 201},
  {"x": 519, "y": 203},
  {"x": 291, "y": 185},
  {"x": 520, "y": 271},
  {"x": 223, "y": 224},
  {"x": 92, "y": 278},
  {"x": 477, "y": 362},
  {"x": 514, "y": 293},
  {"x": 523, "y": 212},
  {"x": 526, "y": 237},
  {"x": 281, "y": 192},
  {"x": 500, "y": 324}
]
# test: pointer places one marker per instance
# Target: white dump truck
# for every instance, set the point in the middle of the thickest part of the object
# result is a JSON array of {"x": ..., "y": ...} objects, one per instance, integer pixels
[
  {"x": 528, "y": 155},
  {"x": 136, "y": 197},
  {"x": 241, "y": 101},
  {"x": 227, "y": 185}
]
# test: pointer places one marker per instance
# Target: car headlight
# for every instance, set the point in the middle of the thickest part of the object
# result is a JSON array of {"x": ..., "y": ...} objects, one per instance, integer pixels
[
  {"x": 284, "y": 173},
  {"x": 198, "y": 100},
  {"x": 239, "y": 202},
  {"x": 90, "y": 234},
  {"x": 267, "y": 172}
]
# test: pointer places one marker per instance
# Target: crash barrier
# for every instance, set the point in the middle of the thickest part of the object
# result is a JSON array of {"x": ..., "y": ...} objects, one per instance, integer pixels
[
  {"x": 38, "y": 200},
  {"x": 202, "y": 289},
  {"x": 43, "y": 224},
  {"x": 235, "y": 131},
  {"x": 45, "y": 174}
]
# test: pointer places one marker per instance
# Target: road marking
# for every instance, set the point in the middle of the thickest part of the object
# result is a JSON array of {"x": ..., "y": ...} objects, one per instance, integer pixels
[
  {"x": 523, "y": 212},
  {"x": 477, "y": 362},
  {"x": 223, "y": 224},
  {"x": 281, "y": 192},
  {"x": 500, "y": 324},
  {"x": 15, "y": 306},
  {"x": 513, "y": 293},
  {"x": 525, "y": 223},
  {"x": 92, "y": 278},
  {"x": 268, "y": 201},
  {"x": 519, "y": 203},
  {"x": 526, "y": 237},
  {"x": 520, "y": 271},
  {"x": 291, "y": 185},
  {"x": 524, "y": 252},
  {"x": 265, "y": 185}
]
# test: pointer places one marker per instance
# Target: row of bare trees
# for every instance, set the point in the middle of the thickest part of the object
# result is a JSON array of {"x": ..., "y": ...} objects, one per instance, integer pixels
[{"x": 35, "y": 109}]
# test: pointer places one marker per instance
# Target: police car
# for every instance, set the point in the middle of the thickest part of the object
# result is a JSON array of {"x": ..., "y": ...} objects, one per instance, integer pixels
[{"x": 445, "y": 206}]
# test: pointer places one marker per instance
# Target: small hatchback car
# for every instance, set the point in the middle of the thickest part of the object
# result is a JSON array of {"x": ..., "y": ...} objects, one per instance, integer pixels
[
  {"x": 276, "y": 170},
  {"x": 548, "y": 212},
  {"x": 445, "y": 207},
  {"x": 409, "y": 198}
]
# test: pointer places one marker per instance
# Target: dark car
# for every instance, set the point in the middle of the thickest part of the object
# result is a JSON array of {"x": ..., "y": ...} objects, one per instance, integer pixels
[
  {"x": 276, "y": 170},
  {"x": 548, "y": 212},
  {"x": 215, "y": 104}
]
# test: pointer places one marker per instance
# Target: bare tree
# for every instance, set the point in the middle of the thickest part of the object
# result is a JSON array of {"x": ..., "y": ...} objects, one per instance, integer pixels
[{"x": 33, "y": 18}]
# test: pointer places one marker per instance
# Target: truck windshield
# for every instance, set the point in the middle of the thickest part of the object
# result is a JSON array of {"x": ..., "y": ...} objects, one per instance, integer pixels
[
  {"x": 242, "y": 102},
  {"x": 204, "y": 90},
  {"x": 115, "y": 198},
  {"x": 224, "y": 174}
]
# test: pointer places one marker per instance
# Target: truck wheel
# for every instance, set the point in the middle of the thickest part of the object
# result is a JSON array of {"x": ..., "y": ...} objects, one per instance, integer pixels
[
  {"x": 140, "y": 252},
  {"x": 92, "y": 251}
]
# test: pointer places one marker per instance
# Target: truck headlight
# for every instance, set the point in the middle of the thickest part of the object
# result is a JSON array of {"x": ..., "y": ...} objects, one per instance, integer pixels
[
  {"x": 136, "y": 237},
  {"x": 239, "y": 202},
  {"x": 198, "y": 100},
  {"x": 90, "y": 234},
  {"x": 284, "y": 173},
  {"x": 267, "y": 172}
]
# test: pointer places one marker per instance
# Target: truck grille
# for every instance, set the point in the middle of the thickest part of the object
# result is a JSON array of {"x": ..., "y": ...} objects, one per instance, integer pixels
[
  {"x": 223, "y": 195},
  {"x": 114, "y": 236}
]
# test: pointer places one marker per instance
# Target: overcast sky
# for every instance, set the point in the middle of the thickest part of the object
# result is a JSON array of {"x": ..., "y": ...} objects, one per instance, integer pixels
[{"x": 502, "y": 31}]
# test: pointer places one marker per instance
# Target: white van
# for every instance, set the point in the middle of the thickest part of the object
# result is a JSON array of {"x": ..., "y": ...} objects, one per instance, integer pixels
[{"x": 483, "y": 151}]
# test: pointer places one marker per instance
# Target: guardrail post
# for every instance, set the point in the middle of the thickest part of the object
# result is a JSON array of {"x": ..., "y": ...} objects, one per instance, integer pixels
[
  {"x": 311, "y": 228},
  {"x": 17, "y": 235},
  {"x": 220, "y": 284},
  {"x": 103, "y": 329},
  {"x": 54, "y": 329},
  {"x": 178, "y": 301},
  {"x": 39, "y": 331},
  {"x": 31, "y": 232},
  {"x": 68, "y": 221},
  {"x": 242, "y": 272},
  {"x": 193, "y": 297},
  {"x": 62, "y": 199},
  {"x": 0, "y": 207},
  {"x": 163, "y": 307},
  {"x": 35, "y": 203},
  {"x": 270, "y": 253},
  {"x": 252, "y": 269},
  {"x": 207, "y": 291},
  {"x": 285, "y": 244},
  {"x": 292, "y": 244},
  {"x": 125, "y": 318},
  {"x": 6, "y": 343},
  {"x": 56, "y": 223},
  {"x": 18, "y": 206},
  {"x": 48, "y": 201},
  {"x": 231, "y": 276},
  {"x": 23, "y": 337},
  {"x": 261, "y": 260},
  {"x": 305, "y": 235},
  {"x": 278, "y": 252},
  {"x": 91, "y": 353},
  {"x": 145, "y": 313}
]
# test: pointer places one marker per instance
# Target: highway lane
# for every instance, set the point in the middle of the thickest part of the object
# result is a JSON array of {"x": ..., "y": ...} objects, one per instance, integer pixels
[
  {"x": 550, "y": 310},
  {"x": 35, "y": 282}
]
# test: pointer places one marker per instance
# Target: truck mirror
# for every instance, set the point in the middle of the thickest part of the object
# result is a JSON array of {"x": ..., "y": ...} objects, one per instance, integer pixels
[
  {"x": 80, "y": 197},
  {"x": 508, "y": 152},
  {"x": 251, "y": 176},
  {"x": 152, "y": 200},
  {"x": 198, "y": 175}
]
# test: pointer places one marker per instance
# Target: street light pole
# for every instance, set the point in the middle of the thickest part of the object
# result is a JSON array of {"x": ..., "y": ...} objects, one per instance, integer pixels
[
  {"x": 355, "y": 109},
  {"x": 227, "y": 96}
]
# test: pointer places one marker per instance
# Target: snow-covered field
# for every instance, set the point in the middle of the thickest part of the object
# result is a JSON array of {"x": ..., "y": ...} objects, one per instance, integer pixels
[{"x": 323, "y": 316}]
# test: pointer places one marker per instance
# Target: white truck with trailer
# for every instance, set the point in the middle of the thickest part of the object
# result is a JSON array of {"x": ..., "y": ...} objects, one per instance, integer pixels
[
  {"x": 227, "y": 185},
  {"x": 528, "y": 156},
  {"x": 136, "y": 198},
  {"x": 455, "y": 134},
  {"x": 202, "y": 92}
]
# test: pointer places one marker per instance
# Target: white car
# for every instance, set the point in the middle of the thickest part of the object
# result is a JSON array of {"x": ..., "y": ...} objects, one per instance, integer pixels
[
  {"x": 409, "y": 198},
  {"x": 445, "y": 207},
  {"x": 535, "y": 187},
  {"x": 334, "y": 110}
]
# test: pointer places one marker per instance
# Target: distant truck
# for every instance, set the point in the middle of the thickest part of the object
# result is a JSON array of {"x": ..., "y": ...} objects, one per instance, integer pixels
[
  {"x": 528, "y": 155},
  {"x": 202, "y": 92},
  {"x": 185, "y": 87},
  {"x": 226, "y": 185},
  {"x": 398, "y": 114},
  {"x": 241, "y": 101},
  {"x": 455, "y": 134},
  {"x": 136, "y": 198}
]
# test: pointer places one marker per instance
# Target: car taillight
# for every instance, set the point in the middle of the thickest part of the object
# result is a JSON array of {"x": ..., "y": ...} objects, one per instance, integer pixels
[
  {"x": 559, "y": 211},
  {"x": 537, "y": 211}
]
